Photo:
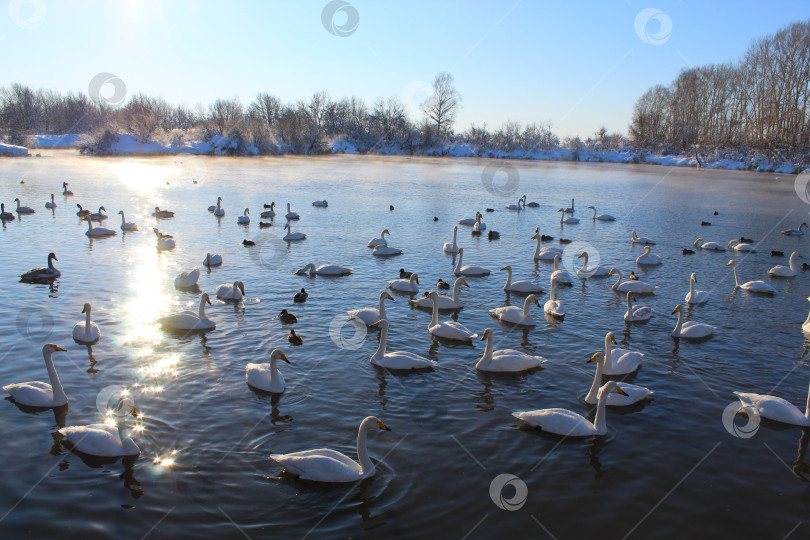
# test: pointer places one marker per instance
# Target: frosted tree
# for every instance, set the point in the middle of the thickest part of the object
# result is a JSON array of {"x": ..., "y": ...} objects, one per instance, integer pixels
[{"x": 441, "y": 106}]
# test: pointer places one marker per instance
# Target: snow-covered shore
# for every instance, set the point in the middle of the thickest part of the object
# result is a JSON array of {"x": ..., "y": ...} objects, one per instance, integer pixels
[{"x": 11, "y": 150}]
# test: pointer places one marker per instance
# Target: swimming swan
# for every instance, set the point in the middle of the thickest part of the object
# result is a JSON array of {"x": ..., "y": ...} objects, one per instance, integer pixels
[
  {"x": 505, "y": 360},
  {"x": 751, "y": 286},
  {"x": 445, "y": 302},
  {"x": 40, "y": 394},
  {"x": 396, "y": 359},
  {"x": 470, "y": 269},
  {"x": 516, "y": 315},
  {"x": 639, "y": 287},
  {"x": 369, "y": 316},
  {"x": 267, "y": 377},
  {"x": 87, "y": 331},
  {"x": 694, "y": 296},
  {"x": 405, "y": 285},
  {"x": 447, "y": 329},
  {"x": 185, "y": 280},
  {"x": 46, "y": 273},
  {"x": 691, "y": 330},
  {"x": 787, "y": 271},
  {"x": 127, "y": 226},
  {"x": 452, "y": 247},
  {"x": 188, "y": 320},
  {"x": 379, "y": 241},
  {"x": 522, "y": 286},
  {"x": 632, "y": 393},
  {"x": 636, "y": 313},
  {"x": 324, "y": 270}
]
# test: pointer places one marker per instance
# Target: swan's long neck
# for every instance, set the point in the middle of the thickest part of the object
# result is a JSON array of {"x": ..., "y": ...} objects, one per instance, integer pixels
[
  {"x": 552, "y": 295},
  {"x": 793, "y": 264},
  {"x": 202, "y": 309},
  {"x": 562, "y": 216},
  {"x": 679, "y": 323},
  {"x": 556, "y": 266},
  {"x": 458, "y": 264},
  {"x": 526, "y": 305},
  {"x": 608, "y": 353},
  {"x": 382, "y": 305},
  {"x": 597, "y": 379},
  {"x": 629, "y": 305},
  {"x": 585, "y": 261},
  {"x": 52, "y": 202},
  {"x": 122, "y": 218},
  {"x": 508, "y": 277},
  {"x": 273, "y": 371},
  {"x": 383, "y": 340},
  {"x": 600, "y": 423},
  {"x": 807, "y": 407},
  {"x": 434, "y": 319},
  {"x": 362, "y": 453},
  {"x": 488, "y": 350},
  {"x": 455, "y": 233},
  {"x": 736, "y": 278},
  {"x": 87, "y": 323},
  {"x": 457, "y": 288},
  {"x": 594, "y": 213},
  {"x": 619, "y": 281},
  {"x": 56, "y": 385},
  {"x": 537, "y": 249},
  {"x": 50, "y": 263},
  {"x": 288, "y": 207},
  {"x": 691, "y": 288},
  {"x": 572, "y": 205}
]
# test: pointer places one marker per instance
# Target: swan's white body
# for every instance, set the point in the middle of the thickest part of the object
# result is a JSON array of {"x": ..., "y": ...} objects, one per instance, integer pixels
[
  {"x": 51, "y": 204},
  {"x": 212, "y": 260},
  {"x": 636, "y": 313},
  {"x": 369, "y": 316},
  {"x": 554, "y": 307},
  {"x": 452, "y": 247},
  {"x": 470, "y": 269},
  {"x": 396, "y": 359},
  {"x": 37, "y": 393},
  {"x": 379, "y": 241},
  {"x": 188, "y": 320},
  {"x": 164, "y": 241},
  {"x": 320, "y": 204},
  {"x": 709, "y": 246},
  {"x": 213, "y": 207},
  {"x": 447, "y": 329},
  {"x": 505, "y": 360},
  {"x": 405, "y": 285},
  {"x": 806, "y": 324},
  {"x": 776, "y": 408},
  {"x": 568, "y": 423},
  {"x": 290, "y": 214},
  {"x": 786, "y": 271},
  {"x": 522, "y": 286},
  {"x": 235, "y": 292},
  {"x": 87, "y": 331},
  {"x": 516, "y": 315},
  {"x": 635, "y": 239},
  {"x": 561, "y": 276},
  {"x": 689, "y": 329},
  {"x": 620, "y": 361},
  {"x": 244, "y": 219},
  {"x": 291, "y": 236},
  {"x": 269, "y": 213},
  {"x": 102, "y": 440},
  {"x": 601, "y": 217},
  {"x": 42, "y": 274},
  {"x": 325, "y": 465},
  {"x": 5, "y": 216},
  {"x": 758, "y": 286},
  {"x": 98, "y": 232},
  {"x": 567, "y": 220},
  {"x": 545, "y": 253},
  {"x": 66, "y": 192},
  {"x": 694, "y": 296},
  {"x": 593, "y": 270},
  {"x": 517, "y": 206},
  {"x": 636, "y": 286},
  {"x": 445, "y": 302},
  {"x": 385, "y": 251},
  {"x": 632, "y": 393},
  {"x": 98, "y": 216},
  {"x": 795, "y": 232},
  {"x": 479, "y": 225},
  {"x": 649, "y": 259},
  {"x": 127, "y": 226},
  {"x": 23, "y": 209},
  {"x": 325, "y": 270},
  {"x": 736, "y": 245},
  {"x": 267, "y": 377},
  {"x": 187, "y": 279}
]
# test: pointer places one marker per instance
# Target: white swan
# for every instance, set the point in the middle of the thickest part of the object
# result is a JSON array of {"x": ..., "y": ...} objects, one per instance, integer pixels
[
  {"x": 164, "y": 241},
  {"x": 215, "y": 206},
  {"x": 450, "y": 247},
  {"x": 594, "y": 270},
  {"x": 244, "y": 219},
  {"x": 640, "y": 287},
  {"x": 405, "y": 285},
  {"x": 396, "y": 359},
  {"x": 188, "y": 320},
  {"x": 234, "y": 292},
  {"x": 795, "y": 232},
  {"x": 385, "y": 251},
  {"x": 546, "y": 253},
  {"x": 554, "y": 307},
  {"x": 66, "y": 192},
  {"x": 269, "y": 213},
  {"x": 787, "y": 271},
  {"x": 162, "y": 214},
  {"x": 620, "y": 361},
  {"x": 505, "y": 360},
  {"x": 470, "y": 269},
  {"x": 290, "y": 214},
  {"x": 325, "y": 270},
  {"x": 98, "y": 232},
  {"x": 379, "y": 241},
  {"x": 691, "y": 330},
  {"x": 445, "y": 302},
  {"x": 103, "y": 440},
  {"x": 447, "y": 329},
  {"x": 566, "y": 220},
  {"x": 521, "y": 286},
  {"x": 87, "y": 331},
  {"x": 23, "y": 209},
  {"x": 267, "y": 377},
  {"x": 517, "y": 206},
  {"x": 758, "y": 286},
  {"x": 291, "y": 236},
  {"x": 479, "y": 225},
  {"x": 744, "y": 247},
  {"x": 635, "y": 239},
  {"x": 184, "y": 280},
  {"x": 709, "y": 246},
  {"x": 636, "y": 313},
  {"x": 212, "y": 260},
  {"x": 516, "y": 315},
  {"x": 601, "y": 217},
  {"x": 776, "y": 408},
  {"x": 694, "y": 296},
  {"x": 369, "y": 316},
  {"x": 51, "y": 204},
  {"x": 127, "y": 226},
  {"x": 320, "y": 204},
  {"x": 44, "y": 273},
  {"x": 632, "y": 393},
  {"x": 40, "y": 394},
  {"x": 568, "y": 423},
  {"x": 649, "y": 259},
  {"x": 561, "y": 276},
  {"x": 325, "y": 465},
  {"x": 5, "y": 216},
  {"x": 97, "y": 216}
]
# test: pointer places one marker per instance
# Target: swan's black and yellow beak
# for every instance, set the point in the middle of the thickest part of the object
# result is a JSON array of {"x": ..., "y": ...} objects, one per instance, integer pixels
[
  {"x": 84, "y": 309},
  {"x": 389, "y": 297},
  {"x": 383, "y": 426},
  {"x": 593, "y": 358},
  {"x": 464, "y": 282},
  {"x": 674, "y": 311},
  {"x": 242, "y": 288},
  {"x": 58, "y": 348},
  {"x": 613, "y": 339},
  {"x": 284, "y": 357},
  {"x": 377, "y": 324},
  {"x": 581, "y": 255}
]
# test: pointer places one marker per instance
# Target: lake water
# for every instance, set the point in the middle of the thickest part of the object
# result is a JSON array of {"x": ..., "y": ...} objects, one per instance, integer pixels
[{"x": 668, "y": 465}]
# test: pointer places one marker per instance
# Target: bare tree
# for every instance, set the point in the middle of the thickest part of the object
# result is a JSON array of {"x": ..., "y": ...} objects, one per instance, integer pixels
[{"x": 442, "y": 105}]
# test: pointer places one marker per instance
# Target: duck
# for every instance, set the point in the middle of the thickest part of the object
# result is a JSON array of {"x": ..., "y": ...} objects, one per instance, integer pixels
[
  {"x": 736, "y": 245},
  {"x": 98, "y": 232},
  {"x": 65, "y": 191},
  {"x": 291, "y": 236},
  {"x": 185, "y": 280},
  {"x": 775, "y": 253},
  {"x": 269, "y": 211},
  {"x": 620, "y": 361},
  {"x": 776, "y": 408},
  {"x": 649, "y": 259},
  {"x": 547, "y": 238},
  {"x": 516, "y": 315},
  {"x": 695, "y": 296},
  {"x": 505, "y": 360},
  {"x": 479, "y": 225},
  {"x": 470, "y": 269},
  {"x": 379, "y": 241},
  {"x": 212, "y": 260},
  {"x": 301, "y": 296},
  {"x": 294, "y": 338},
  {"x": 751, "y": 286},
  {"x": 554, "y": 307},
  {"x": 325, "y": 465},
  {"x": 635, "y": 239},
  {"x": 82, "y": 213},
  {"x": 213, "y": 207},
  {"x": 267, "y": 377},
  {"x": 87, "y": 331},
  {"x": 691, "y": 330},
  {"x": 103, "y": 440},
  {"x": 244, "y": 219},
  {"x": 369, "y": 316},
  {"x": 447, "y": 329},
  {"x": 521, "y": 286},
  {"x": 442, "y": 285},
  {"x": 632, "y": 276},
  {"x": 235, "y": 292},
  {"x": 445, "y": 302},
  {"x": 532, "y": 204},
  {"x": 594, "y": 270},
  {"x": 565, "y": 241},
  {"x": 568, "y": 423},
  {"x": 37, "y": 393},
  {"x": 405, "y": 285},
  {"x": 601, "y": 217},
  {"x": 396, "y": 359},
  {"x": 320, "y": 204},
  {"x": 188, "y": 320},
  {"x": 248, "y": 243},
  {"x": 687, "y": 251},
  {"x": 391, "y": 207},
  {"x": 97, "y": 216},
  {"x": 746, "y": 240},
  {"x": 709, "y": 246},
  {"x": 451, "y": 247},
  {"x": 632, "y": 393},
  {"x": 566, "y": 220},
  {"x": 704, "y": 223},
  {"x": 5, "y": 216},
  {"x": 518, "y": 206},
  {"x": 264, "y": 225},
  {"x": 125, "y": 226},
  {"x": 164, "y": 241},
  {"x": 386, "y": 251},
  {"x": 287, "y": 318},
  {"x": 787, "y": 271},
  {"x": 52, "y": 204},
  {"x": 162, "y": 214},
  {"x": 636, "y": 286},
  {"x": 290, "y": 214},
  {"x": 795, "y": 232},
  {"x": 493, "y": 235},
  {"x": 47, "y": 273},
  {"x": 403, "y": 274},
  {"x": 23, "y": 209},
  {"x": 636, "y": 313},
  {"x": 546, "y": 253},
  {"x": 324, "y": 270}
]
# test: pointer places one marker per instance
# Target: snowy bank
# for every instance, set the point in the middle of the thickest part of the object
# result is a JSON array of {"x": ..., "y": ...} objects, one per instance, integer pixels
[
  {"x": 11, "y": 150},
  {"x": 124, "y": 144},
  {"x": 69, "y": 140}
]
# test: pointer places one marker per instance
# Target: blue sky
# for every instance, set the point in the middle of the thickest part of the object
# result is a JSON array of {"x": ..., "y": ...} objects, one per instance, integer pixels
[{"x": 579, "y": 65}]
